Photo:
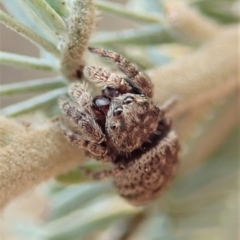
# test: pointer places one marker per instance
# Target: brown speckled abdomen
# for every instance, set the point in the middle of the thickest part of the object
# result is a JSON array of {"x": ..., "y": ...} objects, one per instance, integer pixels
[{"x": 144, "y": 178}]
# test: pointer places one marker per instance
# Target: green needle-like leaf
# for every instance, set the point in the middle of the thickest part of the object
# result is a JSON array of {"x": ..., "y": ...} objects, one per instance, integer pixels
[
  {"x": 26, "y": 32},
  {"x": 45, "y": 12},
  {"x": 32, "y": 103},
  {"x": 143, "y": 36},
  {"x": 118, "y": 9},
  {"x": 36, "y": 85},
  {"x": 21, "y": 61}
]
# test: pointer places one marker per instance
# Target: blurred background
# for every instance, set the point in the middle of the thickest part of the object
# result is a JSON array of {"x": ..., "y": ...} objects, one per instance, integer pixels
[
  {"x": 202, "y": 202},
  {"x": 11, "y": 42}
]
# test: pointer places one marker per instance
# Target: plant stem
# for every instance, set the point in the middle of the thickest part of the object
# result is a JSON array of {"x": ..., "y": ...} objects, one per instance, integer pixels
[
  {"x": 200, "y": 71},
  {"x": 226, "y": 118},
  {"x": 30, "y": 155},
  {"x": 80, "y": 22},
  {"x": 32, "y": 86},
  {"x": 188, "y": 25},
  {"x": 16, "y": 60},
  {"x": 33, "y": 103},
  {"x": 27, "y": 33},
  {"x": 206, "y": 98},
  {"x": 120, "y": 10}
]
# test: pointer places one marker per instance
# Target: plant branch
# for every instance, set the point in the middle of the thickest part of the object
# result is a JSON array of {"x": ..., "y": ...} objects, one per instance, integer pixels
[
  {"x": 30, "y": 155},
  {"x": 79, "y": 28},
  {"x": 206, "y": 98},
  {"x": 200, "y": 71},
  {"x": 27, "y": 33},
  {"x": 16, "y": 60},
  {"x": 189, "y": 25},
  {"x": 226, "y": 118}
]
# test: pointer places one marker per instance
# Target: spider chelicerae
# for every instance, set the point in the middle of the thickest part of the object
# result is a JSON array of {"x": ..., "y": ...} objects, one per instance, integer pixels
[{"x": 125, "y": 127}]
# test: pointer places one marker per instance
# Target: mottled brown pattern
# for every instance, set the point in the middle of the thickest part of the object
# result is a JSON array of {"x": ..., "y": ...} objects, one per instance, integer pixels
[
  {"x": 146, "y": 177},
  {"x": 123, "y": 126}
]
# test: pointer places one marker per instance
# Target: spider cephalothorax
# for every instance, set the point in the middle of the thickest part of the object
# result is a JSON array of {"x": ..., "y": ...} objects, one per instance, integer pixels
[{"x": 123, "y": 126}]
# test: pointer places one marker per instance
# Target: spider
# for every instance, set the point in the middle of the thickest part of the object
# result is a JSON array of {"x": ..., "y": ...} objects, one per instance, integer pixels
[{"x": 124, "y": 127}]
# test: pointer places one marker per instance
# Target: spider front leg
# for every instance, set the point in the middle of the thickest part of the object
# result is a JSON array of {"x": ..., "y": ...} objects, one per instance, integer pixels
[
  {"x": 169, "y": 104},
  {"x": 81, "y": 93},
  {"x": 136, "y": 78},
  {"x": 103, "y": 77},
  {"x": 89, "y": 128},
  {"x": 97, "y": 151},
  {"x": 166, "y": 107}
]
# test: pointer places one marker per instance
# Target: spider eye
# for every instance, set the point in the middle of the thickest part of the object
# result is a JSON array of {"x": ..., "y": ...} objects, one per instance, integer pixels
[
  {"x": 128, "y": 100},
  {"x": 113, "y": 127},
  {"x": 117, "y": 111},
  {"x": 142, "y": 95}
]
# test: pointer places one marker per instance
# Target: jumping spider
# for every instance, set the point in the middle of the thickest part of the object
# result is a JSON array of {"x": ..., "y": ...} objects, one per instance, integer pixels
[{"x": 123, "y": 126}]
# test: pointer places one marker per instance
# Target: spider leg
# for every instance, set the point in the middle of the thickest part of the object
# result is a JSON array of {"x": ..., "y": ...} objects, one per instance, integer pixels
[
  {"x": 102, "y": 174},
  {"x": 165, "y": 108},
  {"x": 103, "y": 77},
  {"x": 88, "y": 126},
  {"x": 136, "y": 78},
  {"x": 81, "y": 92},
  {"x": 95, "y": 150},
  {"x": 169, "y": 104}
]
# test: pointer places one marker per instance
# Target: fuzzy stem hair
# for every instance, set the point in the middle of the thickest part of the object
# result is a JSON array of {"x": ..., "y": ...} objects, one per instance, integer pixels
[
  {"x": 80, "y": 24},
  {"x": 30, "y": 155}
]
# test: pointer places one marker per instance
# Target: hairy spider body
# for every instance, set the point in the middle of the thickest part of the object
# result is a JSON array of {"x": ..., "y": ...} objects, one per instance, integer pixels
[
  {"x": 148, "y": 172},
  {"x": 124, "y": 126}
]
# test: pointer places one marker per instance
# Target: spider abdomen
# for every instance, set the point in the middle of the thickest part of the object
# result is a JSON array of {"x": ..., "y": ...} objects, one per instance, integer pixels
[{"x": 144, "y": 178}]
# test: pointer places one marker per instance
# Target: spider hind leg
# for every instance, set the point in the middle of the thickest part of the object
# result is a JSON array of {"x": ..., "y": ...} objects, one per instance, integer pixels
[{"x": 102, "y": 174}]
